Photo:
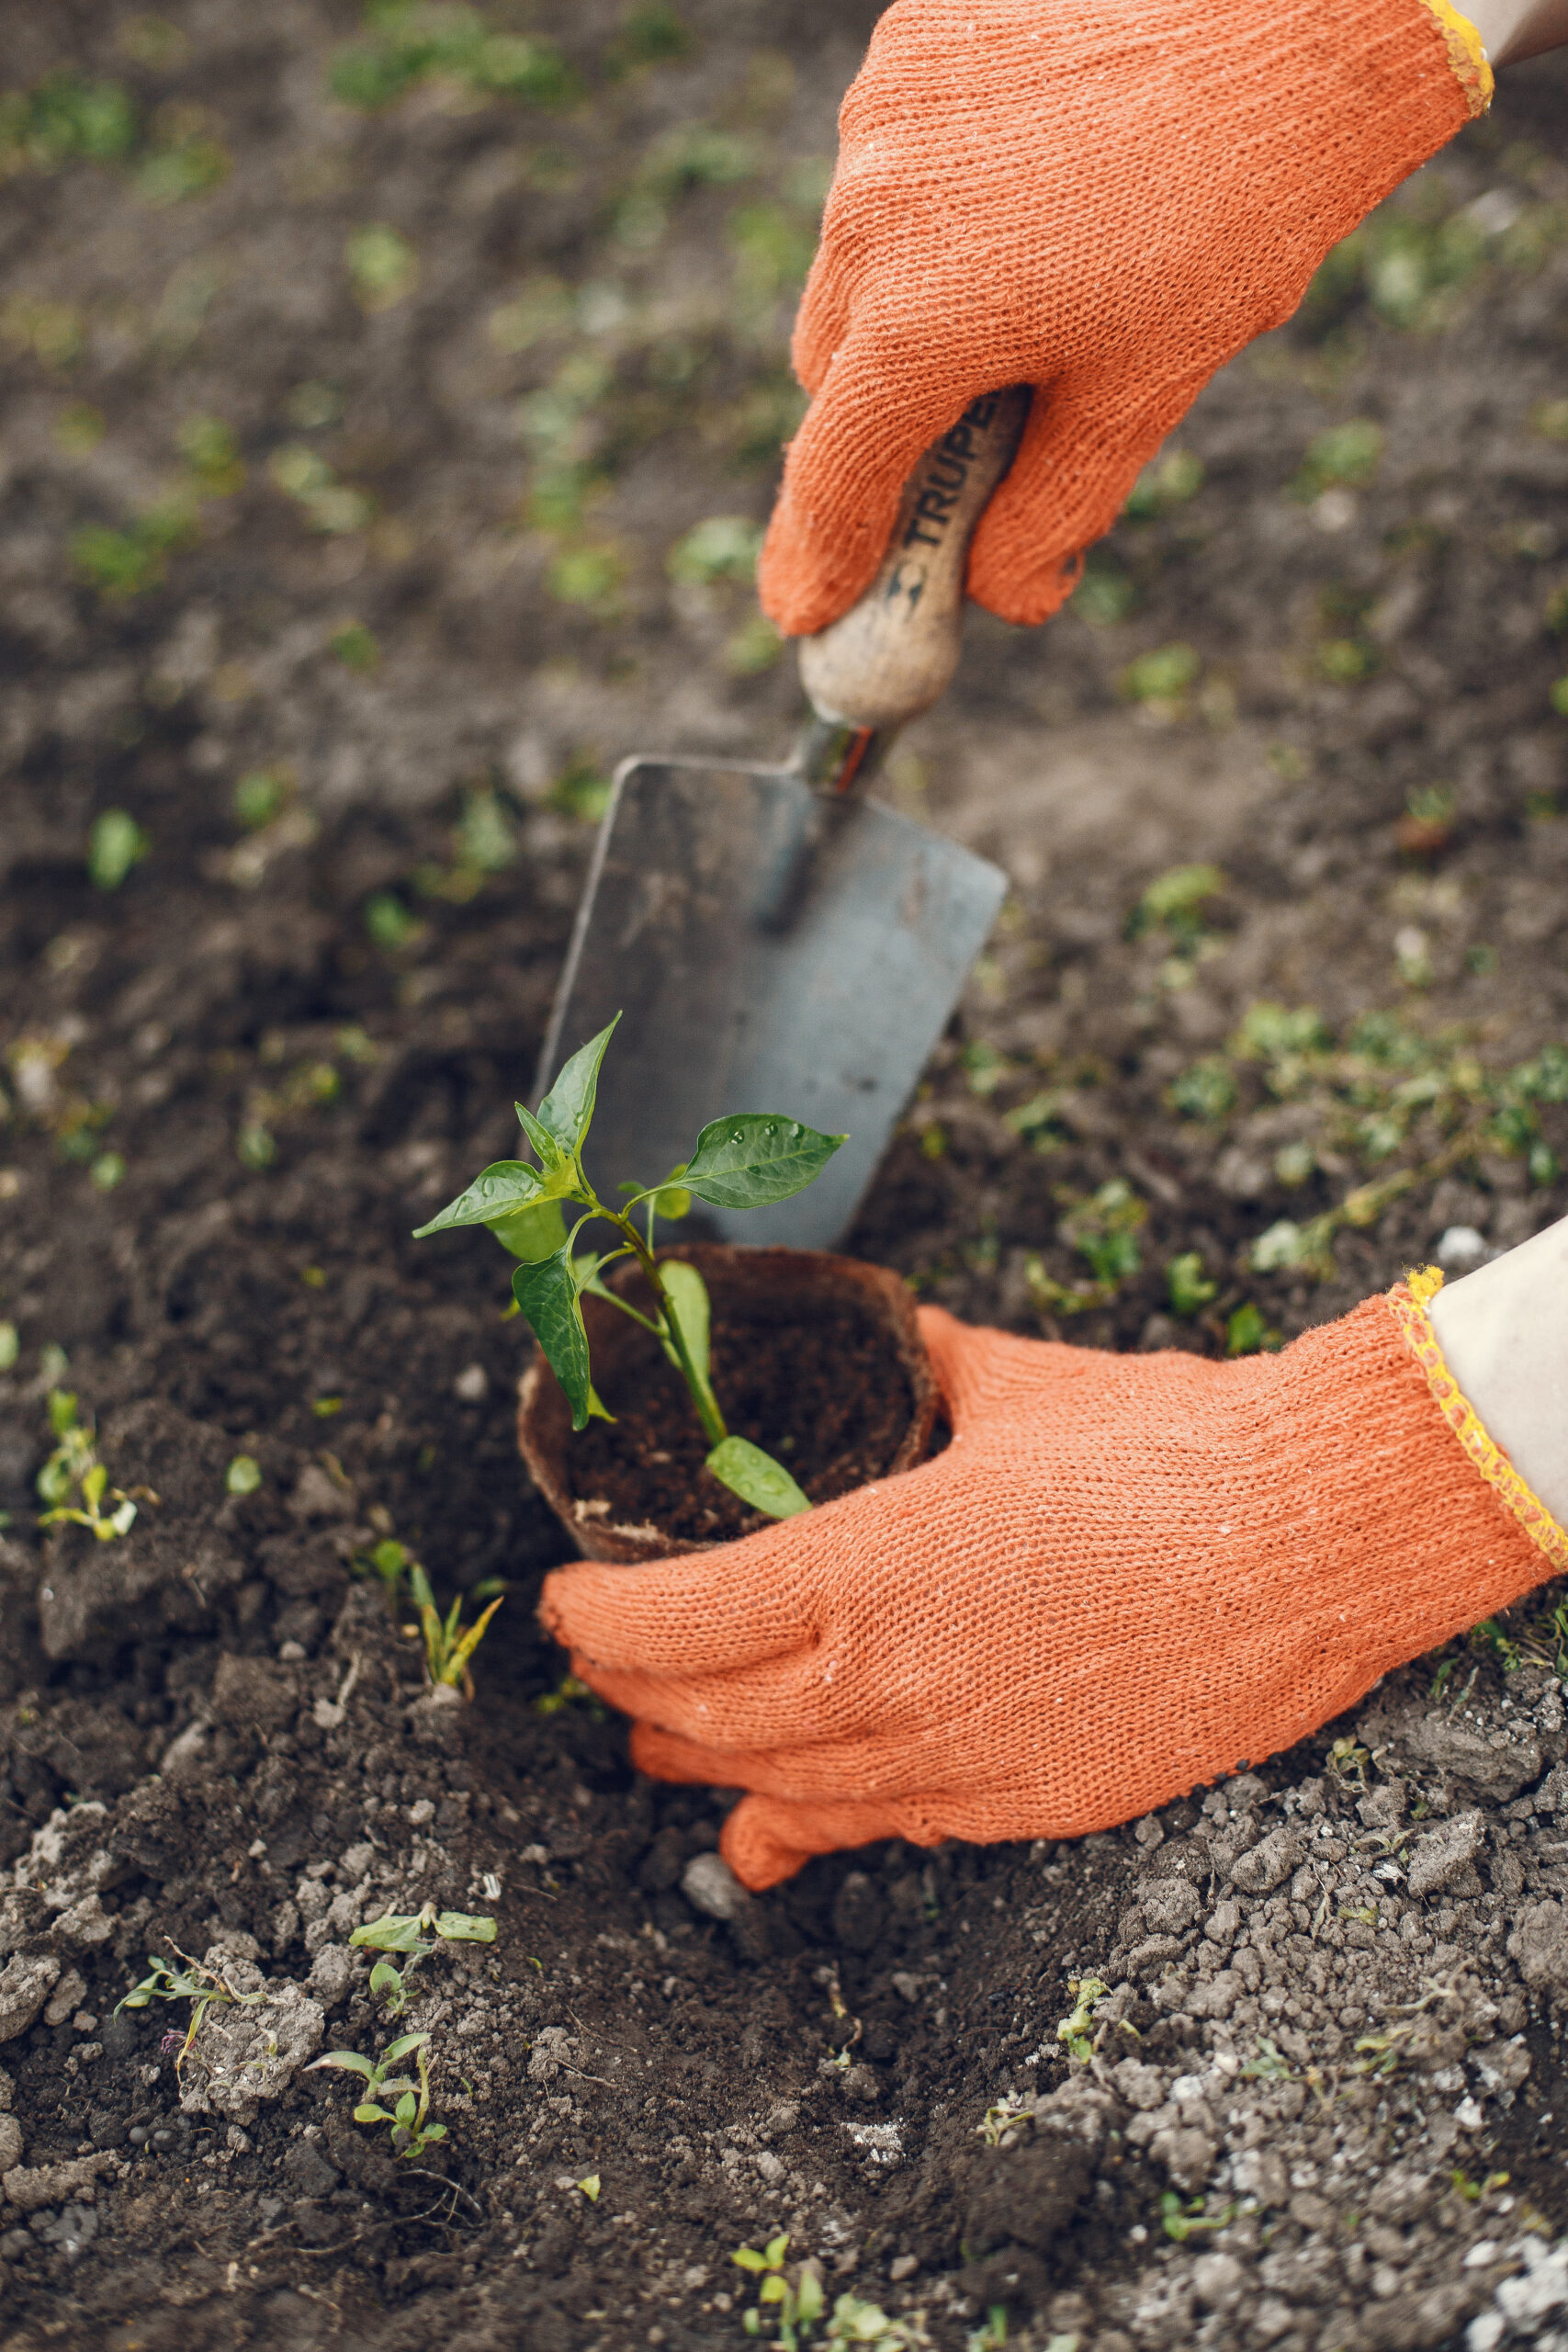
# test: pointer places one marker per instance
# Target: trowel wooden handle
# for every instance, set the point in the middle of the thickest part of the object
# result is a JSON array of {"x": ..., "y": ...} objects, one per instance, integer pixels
[{"x": 893, "y": 654}]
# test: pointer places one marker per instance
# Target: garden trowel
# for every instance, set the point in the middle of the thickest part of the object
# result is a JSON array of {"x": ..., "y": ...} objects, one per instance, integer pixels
[{"x": 773, "y": 940}]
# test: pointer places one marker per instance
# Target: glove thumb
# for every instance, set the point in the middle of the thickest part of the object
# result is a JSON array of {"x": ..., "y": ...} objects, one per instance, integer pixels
[{"x": 767, "y": 1839}]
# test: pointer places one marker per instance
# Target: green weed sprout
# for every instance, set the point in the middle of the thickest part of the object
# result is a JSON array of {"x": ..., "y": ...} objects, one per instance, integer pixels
[
  {"x": 74, "y": 1464},
  {"x": 190, "y": 1982},
  {"x": 1182, "y": 2221},
  {"x": 407, "y": 1933},
  {"x": 1076, "y": 2029},
  {"x": 798, "y": 2305},
  {"x": 116, "y": 844},
  {"x": 797, "y": 2308},
  {"x": 448, "y": 1643},
  {"x": 1008, "y": 2115},
  {"x": 746, "y": 1161},
  {"x": 412, "y": 2133},
  {"x": 1191, "y": 1289}
]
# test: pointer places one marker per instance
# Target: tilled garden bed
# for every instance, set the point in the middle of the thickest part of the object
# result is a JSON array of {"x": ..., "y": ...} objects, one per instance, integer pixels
[{"x": 380, "y": 465}]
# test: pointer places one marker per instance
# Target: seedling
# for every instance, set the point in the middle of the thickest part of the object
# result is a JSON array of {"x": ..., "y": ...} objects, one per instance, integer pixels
[
  {"x": 1182, "y": 2221},
  {"x": 1267, "y": 2064},
  {"x": 399, "y": 1932},
  {"x": 1189, "y": 1288},
  {"x": 1007, "y": 2117},
  {"x": 1076, "y": 2029},
  {"x": 448, "y": 1643},
  {"x": 74, "y": 1464},
  {"x": 412, "y": 2133},
  {"x": 798, "y": 2307},
  {"x": 406, "y": 1933},
  {"x": 201, "y": 1986},
  {"x": 746, "y": 1161}
]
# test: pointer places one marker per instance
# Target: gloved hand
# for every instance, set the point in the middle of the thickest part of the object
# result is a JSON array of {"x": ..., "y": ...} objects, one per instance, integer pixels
[
  {"x": 1125, "y": 1576},
  {"x": 1105, "y": 201}
]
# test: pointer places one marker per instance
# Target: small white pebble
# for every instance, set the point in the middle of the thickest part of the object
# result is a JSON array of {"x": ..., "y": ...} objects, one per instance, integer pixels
[{"x": 472, "y": 1383}]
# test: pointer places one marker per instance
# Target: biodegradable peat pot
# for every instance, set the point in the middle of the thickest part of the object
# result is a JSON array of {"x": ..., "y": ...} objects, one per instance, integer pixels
[{"x": 816, "y": 1358}]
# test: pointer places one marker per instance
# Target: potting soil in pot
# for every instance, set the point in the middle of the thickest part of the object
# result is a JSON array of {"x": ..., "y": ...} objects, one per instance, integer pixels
[{"x": 829, "y": 1398}]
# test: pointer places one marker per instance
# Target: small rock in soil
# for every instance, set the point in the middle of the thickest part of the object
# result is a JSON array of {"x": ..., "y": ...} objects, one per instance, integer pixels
[
  {"x": 710, "y": 1886},
  {"x": 25, "y": 1983},
  {"x": 1444, "y": 1852}
]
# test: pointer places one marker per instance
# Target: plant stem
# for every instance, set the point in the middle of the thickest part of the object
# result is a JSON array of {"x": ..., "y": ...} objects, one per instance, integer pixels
[{"x": 708, "y": 1410}]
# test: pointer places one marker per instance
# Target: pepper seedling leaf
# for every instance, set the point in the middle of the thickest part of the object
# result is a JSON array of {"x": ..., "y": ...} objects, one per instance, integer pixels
[
  {"x": 463, "y": 1927},
  {"x": 546, "y": 1294},
  {"x": 756, "y": 1478},
  {"x": 498, "y": 1191},
  {"x": 349, "y": 2060},
  {"x": 531, "y": 1233},
  {"x": 566, "y": 1111},
  {"x": 688, "y": 1297},
  {"x": 369, "y": 2113},
  {"x": 552, "y": 1153},
  {"x": 753, "y": 1158}
]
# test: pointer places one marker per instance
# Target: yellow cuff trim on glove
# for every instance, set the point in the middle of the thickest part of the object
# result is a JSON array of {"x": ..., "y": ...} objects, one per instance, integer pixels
[
  {"x": 1467, "y": 55},
  {"x": 1408, "y": 1302}
]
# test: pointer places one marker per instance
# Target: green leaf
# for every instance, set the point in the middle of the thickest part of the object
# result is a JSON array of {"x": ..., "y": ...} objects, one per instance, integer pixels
[
  {"x": 688, "y": 1297},
  {"x": 435, "y": 2132},
  {"x": 498, "y": 1191},
  {"x": 546, "y": 1294},
  {"x": 773, "y": 2290},
  {"x": 531, "y": 1233},
  {"x": 369, "y": 2113},
  {"x": 408, "y": 2107},
  {"x": 552, "y": 1154},
  {"x": 777, "y": 2248},
  {"x": 590, "y": 2187},
  {"x": 461, "y": 1651},
  {"x": 746, "y": 2257},
  {"x": 349, "y": 2060},
  {"x": 391, "y": 1933},
  {"x": 462, "y": 1927},
  {"x": 756, "y": 1478},
  {"x": 566, "y": 1109},
  {"x": 384, "y": 1978},
  {"x": 752, "y": 1157},
  {"x": 404, "y": 2043}
]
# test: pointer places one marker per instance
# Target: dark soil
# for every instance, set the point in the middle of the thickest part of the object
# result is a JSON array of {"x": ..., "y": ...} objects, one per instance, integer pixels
[
  {"x": 485, "y": 363},
  {"x": 828, "y": 1397}
]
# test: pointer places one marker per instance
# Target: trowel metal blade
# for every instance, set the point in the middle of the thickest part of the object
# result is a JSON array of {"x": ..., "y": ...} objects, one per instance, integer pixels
[{"x": 821, "y": 1002}]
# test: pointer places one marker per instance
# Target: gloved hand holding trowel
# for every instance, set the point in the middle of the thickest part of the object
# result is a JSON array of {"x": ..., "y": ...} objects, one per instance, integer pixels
[{"x": 1125, "y": 1575}]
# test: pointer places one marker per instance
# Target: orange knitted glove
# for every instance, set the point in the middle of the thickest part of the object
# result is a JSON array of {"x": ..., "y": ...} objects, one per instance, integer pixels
[
  {"x": 1103, "y": 198},
  {"x": 1126, "y": 1574}
]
